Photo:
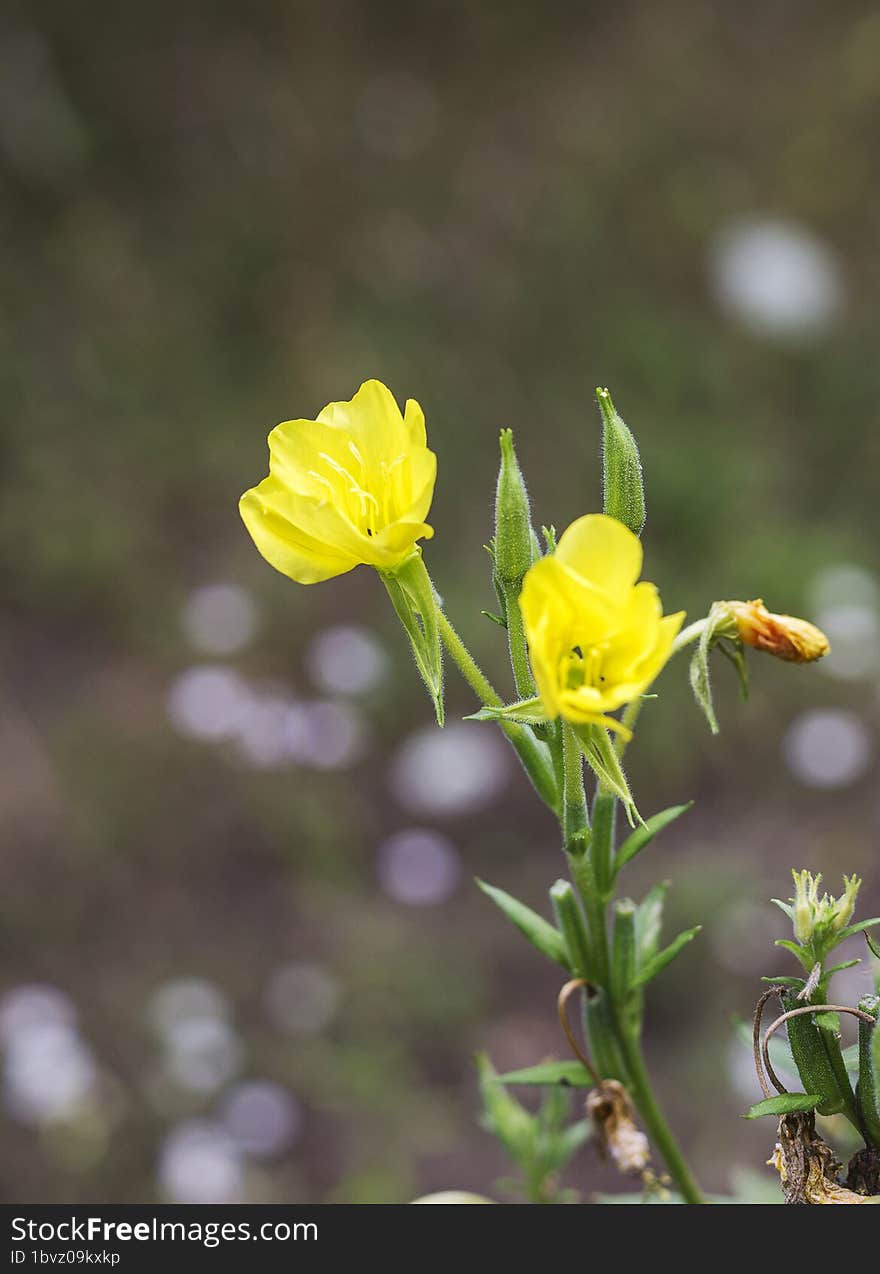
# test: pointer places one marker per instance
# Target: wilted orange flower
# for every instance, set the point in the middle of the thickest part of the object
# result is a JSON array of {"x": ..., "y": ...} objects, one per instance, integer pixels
[{"x": 784, "y": 636}]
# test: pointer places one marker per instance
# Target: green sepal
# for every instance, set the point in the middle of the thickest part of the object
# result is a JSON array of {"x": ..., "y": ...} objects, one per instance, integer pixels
[
  {"x": 525, "y": 711},
  {"x": 412, "y": 595},
  {"x": 719, "y": 626},
  {"x": 701, "y": 684},
  {"x": 643, "y": 835},
  {"x": 598, "y": 750},
  {"x": 568, "y": 1074},
  {"x": 624, "y": 488},
  {"x": 783, "y": 1104},
  {"x": 540, "y": 933},
  {"x": 785, "y": 907},
  {"x": 659, "y": 962}
]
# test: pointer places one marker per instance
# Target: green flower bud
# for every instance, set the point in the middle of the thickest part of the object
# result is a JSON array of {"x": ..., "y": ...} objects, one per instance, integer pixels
[
  {"x": 845, "y": 905},
  {"x": 622, "y": 468},
  {"x": 514, "y": 538},
  {"x": 804, "y": 904}
]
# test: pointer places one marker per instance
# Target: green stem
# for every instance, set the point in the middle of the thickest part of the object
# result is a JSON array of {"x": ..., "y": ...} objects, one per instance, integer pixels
[
  {"x": 574, "y": 801},
  {"x": 653, "y": 1118},
  {"x": 519, "y": 651},
  {"x": 533, "y": 754}
]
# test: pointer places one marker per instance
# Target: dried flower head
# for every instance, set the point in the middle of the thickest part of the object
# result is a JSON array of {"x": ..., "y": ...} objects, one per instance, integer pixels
[
  {"x": 618, "y": 1136},
  {"x": 784, "y": 636}
]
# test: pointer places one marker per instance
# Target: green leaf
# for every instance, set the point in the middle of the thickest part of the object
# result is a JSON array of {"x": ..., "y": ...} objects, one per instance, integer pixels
[
  {"x": 659, "y": 962},
  {"x": 540, "y": 933},
  {"x": 642, "y": 836},
  {"x": 569, "y": 1074},
  {"x": 838, "y": 968},
  {"x": 649, "y": 919},
  {"x": 796, "y": 982},
  {"x": 624, "y": 488},
  {"x": 872, "y": 946},
  {"x": 783, "y": 1104},
  {"x": 795, "y": 950},
  {"x": 858, "y": 928},
  {"x": 526, "y": 711}
]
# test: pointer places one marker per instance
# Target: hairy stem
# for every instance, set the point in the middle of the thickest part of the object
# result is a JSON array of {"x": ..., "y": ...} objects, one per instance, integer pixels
[{"x": 534, "y": 755}]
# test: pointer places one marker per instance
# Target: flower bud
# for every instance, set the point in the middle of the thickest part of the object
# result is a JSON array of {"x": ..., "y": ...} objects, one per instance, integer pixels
[
  {"x": 622, "y": 468},
  {"x": 514, "y": 539},
  {"x": 804, "y": 904},
  {"x": 844, "y": 906},
  {"x": 784, "y": 636}
]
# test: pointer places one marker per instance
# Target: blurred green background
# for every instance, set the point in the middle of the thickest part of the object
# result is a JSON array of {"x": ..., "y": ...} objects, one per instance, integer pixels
[{"x": 242, "y": 956}]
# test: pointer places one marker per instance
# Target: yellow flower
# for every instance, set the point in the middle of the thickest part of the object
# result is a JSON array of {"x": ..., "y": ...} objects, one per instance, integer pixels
[
  {"x": 352, "y": 487},
  {"x": 784, "y": 636},
  {"x": 597, "y": 639}
]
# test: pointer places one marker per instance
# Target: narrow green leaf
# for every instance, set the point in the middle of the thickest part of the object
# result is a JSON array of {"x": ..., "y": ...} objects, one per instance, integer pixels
[
  {"x": 873, "y": 946},
  {"x": 659, "y": 962},
  {"x": 569, "y": 1074},
  {"x": 795, "y": 950},
  {"x": 649, "y": 919},
  {"x": 526, "y": 711},
  {"x": 783, "y": 1104},
  {"x": 540, "y": 933},
  {"x": 642, "y": 836},
  {"x": 838, "y": 968},
  {"x": 796, "y": 982},
  {"x": 858, "y": 928}
]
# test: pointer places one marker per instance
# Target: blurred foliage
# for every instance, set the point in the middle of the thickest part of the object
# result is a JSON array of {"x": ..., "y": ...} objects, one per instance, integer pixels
[{"x": 215, "y": 217}]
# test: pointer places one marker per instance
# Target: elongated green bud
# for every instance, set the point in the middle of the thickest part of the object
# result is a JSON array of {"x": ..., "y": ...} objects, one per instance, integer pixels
[
  {"x": 514, "y": 550},
  {"x": 811, "y": 1059},
  {"x": 622, "y": 468},
  {"x": 570, "y": 921},
  {"x": 623, "y": 949},
  {"x": 869, "y": 1070},
  {"x": 514, "y": 538}
]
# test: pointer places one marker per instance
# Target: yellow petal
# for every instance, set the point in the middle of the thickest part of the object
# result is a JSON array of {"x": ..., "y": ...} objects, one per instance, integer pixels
[
  {"x": 372, "y": 419},
  {"x": 414, "y": 419},
  {"x": 603, "y": 551},
  {"x": 288, "y": 549}
]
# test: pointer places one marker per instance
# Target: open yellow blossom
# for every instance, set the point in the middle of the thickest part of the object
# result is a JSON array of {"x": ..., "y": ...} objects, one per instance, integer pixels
[
  {"x": 597, "y": 638},
  {"x": 352, "y": 487},
  {"x": 784, "y": 636}
]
